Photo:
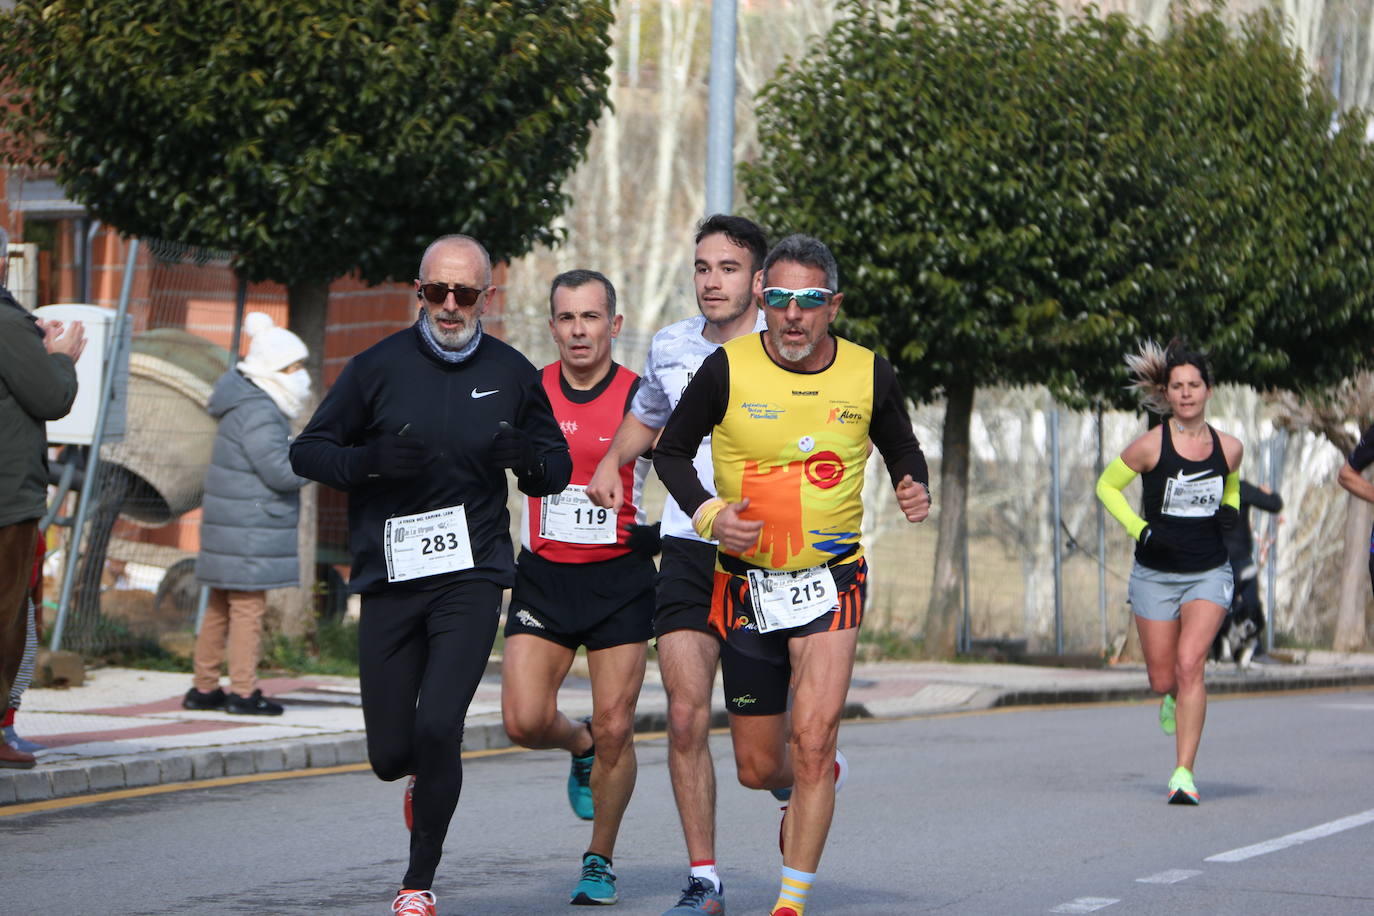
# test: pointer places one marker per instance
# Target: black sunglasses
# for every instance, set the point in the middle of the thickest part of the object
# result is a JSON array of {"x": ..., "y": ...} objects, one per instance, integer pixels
[{"x": 436, "y": 293}]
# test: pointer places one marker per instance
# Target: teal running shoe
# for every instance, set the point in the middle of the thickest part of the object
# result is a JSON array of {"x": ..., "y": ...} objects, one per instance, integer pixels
[
  {"x": 580, "y": 786},
  {"x": 596, "y": 887},
  {"x": 1167, "y": 721},
  {"x": 1181, "y": 788}
]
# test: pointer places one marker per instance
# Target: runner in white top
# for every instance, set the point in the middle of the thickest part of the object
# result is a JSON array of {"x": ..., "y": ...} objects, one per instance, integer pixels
[
  {"x": 729, "y": 251},
  {"x": 675, "y": 354}
]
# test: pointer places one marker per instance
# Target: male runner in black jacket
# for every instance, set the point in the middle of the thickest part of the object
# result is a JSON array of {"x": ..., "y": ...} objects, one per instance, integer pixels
[{"x": 419, "y": 430}]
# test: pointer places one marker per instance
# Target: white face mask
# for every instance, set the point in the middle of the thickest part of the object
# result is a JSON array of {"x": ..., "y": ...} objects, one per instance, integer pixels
[{"x": 298, "y": 383}]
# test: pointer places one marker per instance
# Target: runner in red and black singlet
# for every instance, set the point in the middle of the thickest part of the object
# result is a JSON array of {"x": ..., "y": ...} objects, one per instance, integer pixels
[{"x": 584, "y": 577}]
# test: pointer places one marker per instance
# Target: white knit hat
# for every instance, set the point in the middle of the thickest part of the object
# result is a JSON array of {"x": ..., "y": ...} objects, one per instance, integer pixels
[{"x": 271, "y": 348}]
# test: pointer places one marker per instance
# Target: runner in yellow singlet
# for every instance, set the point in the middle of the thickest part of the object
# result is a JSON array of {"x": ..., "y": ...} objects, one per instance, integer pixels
[{"x": 791, "y": 412}]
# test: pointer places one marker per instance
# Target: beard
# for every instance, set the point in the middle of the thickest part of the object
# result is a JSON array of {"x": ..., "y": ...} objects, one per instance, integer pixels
[
  {"x": 793, "y": 353},
  {"x": 736, "y": 308},
  {"x": 452, "y": 340}
]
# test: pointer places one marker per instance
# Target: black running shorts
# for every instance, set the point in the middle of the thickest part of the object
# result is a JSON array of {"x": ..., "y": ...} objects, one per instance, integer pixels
[
  {"x": 597, "y": 605},
  {"x": 686, "y": 573},
  {"x": 755, "y": 666}
]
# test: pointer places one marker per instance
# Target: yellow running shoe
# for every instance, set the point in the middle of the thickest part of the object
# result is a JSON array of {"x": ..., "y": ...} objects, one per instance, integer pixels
[
  {"x": 1167, "y": 722},
  {"x": 1181, "y": 788}
]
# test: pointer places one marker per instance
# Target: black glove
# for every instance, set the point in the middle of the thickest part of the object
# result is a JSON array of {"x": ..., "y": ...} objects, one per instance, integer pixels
[
  {"x": 1227, "y": 517},
  {"x": 395, "y": 457},
  {"x": 512, "y": 448},
  {"x": 1157, "y": 539},
  {"x": 644, "y": 539}
]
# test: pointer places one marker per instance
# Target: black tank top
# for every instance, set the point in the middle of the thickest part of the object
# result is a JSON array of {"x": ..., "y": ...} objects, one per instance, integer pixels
[{"x": 1180, "y": 498}]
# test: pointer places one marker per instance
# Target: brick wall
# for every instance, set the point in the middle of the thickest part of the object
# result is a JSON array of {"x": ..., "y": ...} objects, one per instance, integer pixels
[{"x": 200, "y": 299}]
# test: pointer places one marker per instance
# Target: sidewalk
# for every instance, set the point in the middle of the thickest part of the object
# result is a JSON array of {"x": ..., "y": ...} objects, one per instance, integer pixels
[{"x": 125, "y": 728}]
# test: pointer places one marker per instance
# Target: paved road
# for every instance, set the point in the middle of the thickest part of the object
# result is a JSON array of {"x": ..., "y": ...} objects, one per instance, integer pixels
[{"x": 1019, "y": 811}]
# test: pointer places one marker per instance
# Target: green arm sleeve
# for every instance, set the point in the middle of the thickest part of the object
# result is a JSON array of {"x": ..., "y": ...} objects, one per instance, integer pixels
[
  {"x": 1230, "y": 494},
  {"x": 1109, "y": 486}
]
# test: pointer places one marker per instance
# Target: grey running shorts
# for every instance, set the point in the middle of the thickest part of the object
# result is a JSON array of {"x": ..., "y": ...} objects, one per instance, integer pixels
[{"x": 1157, "y": 595}]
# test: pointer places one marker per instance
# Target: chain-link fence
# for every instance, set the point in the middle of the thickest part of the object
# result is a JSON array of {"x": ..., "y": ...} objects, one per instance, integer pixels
[
  {"x": 134, "y": 579},
  {"x": 132, "y": 582},
  {"x": 1012, "y": 599}
]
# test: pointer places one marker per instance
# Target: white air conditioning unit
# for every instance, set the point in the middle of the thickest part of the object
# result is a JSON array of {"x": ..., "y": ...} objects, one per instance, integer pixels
[{"x": 78, "y": 427}]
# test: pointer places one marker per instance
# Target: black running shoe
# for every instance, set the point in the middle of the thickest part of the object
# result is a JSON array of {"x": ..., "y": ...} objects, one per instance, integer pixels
[
  {"x": 201, "y": 702},
  {"x": 253, "y": 705}
]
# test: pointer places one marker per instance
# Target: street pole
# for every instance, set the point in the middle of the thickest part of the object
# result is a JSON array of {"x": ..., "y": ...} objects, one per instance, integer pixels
[
  {"x": 720, "y": 118},
  {"x": 1101, "y": 542},
  {"x": 1058, "y": 512},
  {"x": 90, "y": 486}
]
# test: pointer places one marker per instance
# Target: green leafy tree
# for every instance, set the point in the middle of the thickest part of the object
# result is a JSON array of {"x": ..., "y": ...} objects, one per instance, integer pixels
[
  {"x": 1018, "y": 198},
  {"x": 310, "y": 138}
]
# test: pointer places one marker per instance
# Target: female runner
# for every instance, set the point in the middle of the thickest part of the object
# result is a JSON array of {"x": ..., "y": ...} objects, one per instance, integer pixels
[{"x": 1181, "y": 584}]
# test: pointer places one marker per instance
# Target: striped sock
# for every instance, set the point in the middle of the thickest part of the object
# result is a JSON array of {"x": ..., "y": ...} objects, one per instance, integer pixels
[{"x": 792, "y": 895}]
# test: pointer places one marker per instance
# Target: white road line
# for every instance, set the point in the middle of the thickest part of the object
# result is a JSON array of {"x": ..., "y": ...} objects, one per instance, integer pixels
[
  {"x": 1172, "y": 876},
  {"x": 1295, "y": 839},
  {"x": 1085, "y": 905}
]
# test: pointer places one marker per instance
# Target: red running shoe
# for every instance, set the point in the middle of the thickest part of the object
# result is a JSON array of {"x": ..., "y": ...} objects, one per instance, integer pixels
[
  {"x": 418, "y": 903},
  {"x": 408, "y": 804}
]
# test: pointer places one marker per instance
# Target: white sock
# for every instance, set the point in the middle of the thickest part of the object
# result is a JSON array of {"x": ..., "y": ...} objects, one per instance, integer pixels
[{"x": 707, "y": 872}]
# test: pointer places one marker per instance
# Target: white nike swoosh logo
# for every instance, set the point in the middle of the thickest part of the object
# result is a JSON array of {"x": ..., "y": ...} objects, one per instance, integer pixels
[
  {"x": 603, "y": 438},
  {"x": 482, "y": 394},
  {"x": 1194, "y": 476}
]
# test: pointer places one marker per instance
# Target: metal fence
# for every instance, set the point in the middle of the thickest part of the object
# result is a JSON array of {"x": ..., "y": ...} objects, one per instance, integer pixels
[
  {"x": 1046, "y": 578},
  {"x": 131, "y": 583},
  {"x": 1046, "y": 573}
]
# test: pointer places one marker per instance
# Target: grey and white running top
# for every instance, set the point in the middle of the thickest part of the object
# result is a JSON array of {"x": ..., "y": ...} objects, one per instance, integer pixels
[{"x": 675, "y": 354}]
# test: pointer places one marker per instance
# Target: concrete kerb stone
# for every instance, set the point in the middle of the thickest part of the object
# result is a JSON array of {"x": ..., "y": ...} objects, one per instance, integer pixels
[
  {"x": 238, "y": 761},
  {"x": 6, "y": 789},
  {"x": 320, "y": 752},
  {"x": 485, "y": 737},
  {"x": 351, "y": 749},
  {"x": 31, "y": 785},
  {"x": 141, "y": 771},
  {"x": 69, "y": 781},
  {"x": 295, "y": 756},
  {"x": 176, "y": 766},
  {"x": 104, "y": 776},
  {"x": 206, "y": 763},
  {"x": 269, "y": 758}
]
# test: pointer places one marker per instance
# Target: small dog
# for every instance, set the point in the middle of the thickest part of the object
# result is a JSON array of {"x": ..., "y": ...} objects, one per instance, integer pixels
[{"x": 1238, "y": 638}]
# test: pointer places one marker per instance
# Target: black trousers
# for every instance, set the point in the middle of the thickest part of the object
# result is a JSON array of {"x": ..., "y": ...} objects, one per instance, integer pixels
[{"x": 421, "y": 656}]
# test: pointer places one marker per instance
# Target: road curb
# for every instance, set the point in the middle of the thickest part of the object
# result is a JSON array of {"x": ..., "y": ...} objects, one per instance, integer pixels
[
  {"x": 1228, "y": 685},
  {"x": 87, "y": 777}
]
